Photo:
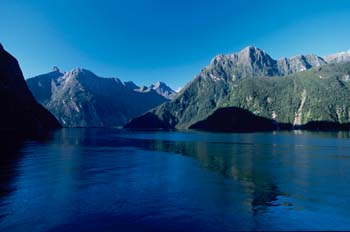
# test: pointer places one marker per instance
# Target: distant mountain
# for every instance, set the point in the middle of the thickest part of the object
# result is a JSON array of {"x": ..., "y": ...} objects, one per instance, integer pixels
[
  {"x": 164, "y": 90},
  {"x": 79, "y": 98},
  {"x": 19, "y": 110},
  {"x": 161, "y": 88},
  {"x": 294, "y": 91},
  {"x": 338, "y": 57},
  {"x": 298, "y": 64}
]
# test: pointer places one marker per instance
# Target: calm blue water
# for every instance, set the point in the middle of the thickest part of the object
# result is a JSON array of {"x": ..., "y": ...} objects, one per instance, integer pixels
[{"x": 109, "y": 179}]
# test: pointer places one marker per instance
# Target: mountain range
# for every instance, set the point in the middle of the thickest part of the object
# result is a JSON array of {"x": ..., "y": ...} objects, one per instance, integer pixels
[
  {"x": 243, "y": 91},
  {"x": 161, "y": 88},
  {"x": 79, "y": 98},
  {"x": 338, "y": 57},
  {"x": 288, "y": 92},
  {"x": 19, "y": 110}
]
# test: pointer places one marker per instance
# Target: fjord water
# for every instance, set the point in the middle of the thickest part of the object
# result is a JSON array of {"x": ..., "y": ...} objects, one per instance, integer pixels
[{"x": 109, "y": 179}]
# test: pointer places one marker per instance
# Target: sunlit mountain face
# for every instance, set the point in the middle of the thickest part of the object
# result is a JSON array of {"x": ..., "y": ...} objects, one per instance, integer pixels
[
  {"x": 304, "y": 91},
  {"x": 79, "y": 98}
]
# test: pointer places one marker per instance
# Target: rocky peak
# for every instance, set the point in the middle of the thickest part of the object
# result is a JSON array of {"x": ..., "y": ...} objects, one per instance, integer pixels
[
  {"x": 246, "y": 56},
  {"x": 253, "y": 54},
  {"x": 218, "y": 59},
  {"x": 79, "y": 73},
  {"x": 131, "y": 85},
  {"x": 55, "y": 69},
  {"x": 251, "y": 50},
  {"x": 160, "y": 88},
  {"x": 161, "y": 85},
  {"x": 249, "y": 62},
  {"x": 163, "y": 89}
]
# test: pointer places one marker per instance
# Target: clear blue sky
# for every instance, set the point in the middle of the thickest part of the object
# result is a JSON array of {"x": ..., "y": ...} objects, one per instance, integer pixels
[{"x": 169, "y": 40}]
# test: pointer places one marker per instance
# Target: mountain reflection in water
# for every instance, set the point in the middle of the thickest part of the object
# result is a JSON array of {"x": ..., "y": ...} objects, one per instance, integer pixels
[{"x": 88, "y": 179}]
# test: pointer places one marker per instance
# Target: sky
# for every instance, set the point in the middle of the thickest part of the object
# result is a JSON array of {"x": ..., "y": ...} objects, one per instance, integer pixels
[{"x": 164, "y": 40}]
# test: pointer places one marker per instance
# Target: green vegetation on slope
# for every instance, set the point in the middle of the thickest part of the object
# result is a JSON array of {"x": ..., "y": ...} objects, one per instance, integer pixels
[{"x": 319, "y": 94}]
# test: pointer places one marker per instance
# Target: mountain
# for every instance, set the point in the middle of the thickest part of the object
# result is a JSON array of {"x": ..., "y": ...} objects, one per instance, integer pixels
[
  {"x": 292, "y": 91},
  {"x": 161, "y": 88},
  {"x": 19, "y": 109},
  {"x": 237, "y": 119},
  {"x": 164, "y": 90},
  {"x": 338, "y": 57},
  {"x": 79, "y": 98},
  {"x": 254, "y": 62}
]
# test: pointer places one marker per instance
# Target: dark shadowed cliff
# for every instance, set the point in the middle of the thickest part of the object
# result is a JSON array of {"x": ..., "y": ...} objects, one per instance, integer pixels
[{"x": 19, "y": 109}]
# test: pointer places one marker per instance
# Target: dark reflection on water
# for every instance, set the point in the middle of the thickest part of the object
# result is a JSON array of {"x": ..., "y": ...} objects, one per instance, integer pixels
[
  {"x": 108, "y": 179},
  {"x": 10, "y": 146},
  {"x": 222, "y": 158}
]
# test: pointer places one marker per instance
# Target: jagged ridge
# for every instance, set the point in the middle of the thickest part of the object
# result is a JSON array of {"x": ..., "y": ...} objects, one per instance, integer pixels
[
  {"x": 79, "y": 98},
  {"x": 247, "y": 80}
]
